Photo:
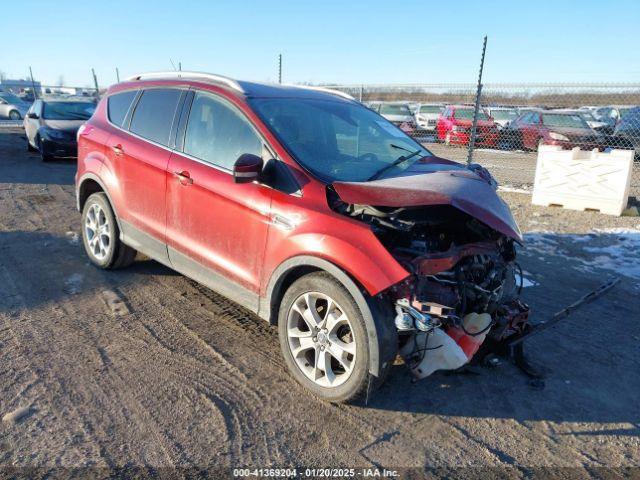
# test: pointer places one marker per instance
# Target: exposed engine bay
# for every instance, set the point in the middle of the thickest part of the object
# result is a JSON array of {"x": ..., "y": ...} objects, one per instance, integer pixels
[{"x": 462, "y": 290}]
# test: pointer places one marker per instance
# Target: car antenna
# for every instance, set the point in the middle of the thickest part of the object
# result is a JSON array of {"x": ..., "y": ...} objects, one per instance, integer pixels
[{"x": 472, "y": 139}]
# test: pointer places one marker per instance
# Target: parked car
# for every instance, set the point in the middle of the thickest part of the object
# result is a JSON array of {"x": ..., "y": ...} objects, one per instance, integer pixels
[
  {"x": 548, "y": 127},
  {"x": 627, "y": 132},
  {"x": 12, "y": 106},
  {"x": 455, "y": 123},
  {"x": 588, "y": 116},
  {"x": 503, "y": 116},
  {"x": 397, "y": 113},
  {"x": 51, "y": 126},
  {"x": 426, "y": 116},
  {"x": 309, "y": 209}
]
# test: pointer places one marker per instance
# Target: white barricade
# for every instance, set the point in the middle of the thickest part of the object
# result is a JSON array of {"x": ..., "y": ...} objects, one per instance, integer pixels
[{"x": 583, "y": 180}]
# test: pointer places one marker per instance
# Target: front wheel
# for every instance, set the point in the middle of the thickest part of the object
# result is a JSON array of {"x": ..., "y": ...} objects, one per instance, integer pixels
[
  {"x": 100, "y": 235},
  {"x": 324, "y": 339}
]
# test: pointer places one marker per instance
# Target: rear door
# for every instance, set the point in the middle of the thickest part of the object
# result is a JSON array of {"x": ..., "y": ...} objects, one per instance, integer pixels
[
  {"x": 216, "y": 228},
  {"x": 139, "y": 158}
]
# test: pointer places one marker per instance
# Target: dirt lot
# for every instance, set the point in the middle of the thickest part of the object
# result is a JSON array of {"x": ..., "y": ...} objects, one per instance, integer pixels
[{"x": 144, "y": 370}]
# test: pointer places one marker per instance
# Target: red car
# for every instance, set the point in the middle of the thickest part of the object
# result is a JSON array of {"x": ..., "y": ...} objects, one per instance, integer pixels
[
  {"x": 455, "y": 123},
  {"x": 307, "y": 208},
  {"x": 546, "y": 127}
]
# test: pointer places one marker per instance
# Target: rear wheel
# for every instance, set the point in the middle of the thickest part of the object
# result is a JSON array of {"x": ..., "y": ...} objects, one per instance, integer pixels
[
  {"x": 15, "y": 115},
  {"x": 324, "y": 339},
  {"x": 101, "y": 236}
]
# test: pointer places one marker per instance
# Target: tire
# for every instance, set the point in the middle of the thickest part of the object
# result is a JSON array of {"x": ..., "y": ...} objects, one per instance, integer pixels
[
  {"x": 30, "y": 147},
  {"x": 43, "y": 156},
  {"x": 101, "y": 236},
  {"x": 302, "y": 343},
  {"x": 15, "y": 115}
]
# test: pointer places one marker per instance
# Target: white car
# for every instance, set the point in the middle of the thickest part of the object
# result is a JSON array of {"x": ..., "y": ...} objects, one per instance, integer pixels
[
  {"x": 397, "y": 113},
  {"x": 12, "y": 106},
  {"x": 427, "y": 114},
  {"x": 502, "y": 116}
]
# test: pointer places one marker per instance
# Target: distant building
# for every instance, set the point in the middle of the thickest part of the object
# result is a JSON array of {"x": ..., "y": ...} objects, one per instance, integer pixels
[{"x": 17, "y": 86}]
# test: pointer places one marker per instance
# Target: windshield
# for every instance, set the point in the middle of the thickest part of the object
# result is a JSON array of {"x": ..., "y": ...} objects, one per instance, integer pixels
[
  {"x": 68, "y": 110},
  {"x": 430, "y": 109},
  {"x": 337, "y": 141},
  {"x": 467, "y": 114},
  {"x": 11, "y": 98},
  {"x": 569, "y": 120},
  {"x": 504, "y": 114},
  {"x": 391, "y": 109}
]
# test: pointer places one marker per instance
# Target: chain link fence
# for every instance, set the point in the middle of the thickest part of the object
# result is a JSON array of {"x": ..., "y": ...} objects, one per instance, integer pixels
[{"x": 513, "y": 121}]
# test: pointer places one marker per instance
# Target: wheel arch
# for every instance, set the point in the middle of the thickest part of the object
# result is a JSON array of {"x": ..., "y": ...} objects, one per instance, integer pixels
[
  {"x": 87, "y": 186},
  {"x": 378, "y": 317}
]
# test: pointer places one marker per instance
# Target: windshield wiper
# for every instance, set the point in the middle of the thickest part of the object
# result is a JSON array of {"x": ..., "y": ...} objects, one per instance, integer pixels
[{"x": 395, "y": 163}]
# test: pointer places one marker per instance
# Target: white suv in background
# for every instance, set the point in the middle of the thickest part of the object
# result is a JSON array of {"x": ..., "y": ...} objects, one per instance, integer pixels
[{"x": 427, "y": 114}]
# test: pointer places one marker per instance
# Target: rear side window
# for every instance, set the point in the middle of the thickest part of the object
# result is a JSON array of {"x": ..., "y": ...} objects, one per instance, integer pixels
[
  {"x": 154, "y": 113},
  {"x": 118, "y": 106},
  {"x": 217, "y": 134}
]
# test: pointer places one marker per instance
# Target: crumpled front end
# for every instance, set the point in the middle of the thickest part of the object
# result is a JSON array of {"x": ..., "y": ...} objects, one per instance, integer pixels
[{"x": 463, "y": 288}]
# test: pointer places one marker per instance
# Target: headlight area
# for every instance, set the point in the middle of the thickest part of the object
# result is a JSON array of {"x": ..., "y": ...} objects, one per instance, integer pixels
[
  {"x": 558, "y": 136},
  {"x": 51, "y": 134}
]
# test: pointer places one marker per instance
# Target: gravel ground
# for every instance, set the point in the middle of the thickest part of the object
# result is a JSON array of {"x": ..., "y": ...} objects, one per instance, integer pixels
[{"x": 144, "y": 370}]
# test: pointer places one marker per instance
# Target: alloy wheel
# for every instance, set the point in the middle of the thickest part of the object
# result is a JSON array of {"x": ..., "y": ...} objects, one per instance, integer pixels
[
  {"x": 321, "y": 339},
  {"x": 98, "y": 232}
]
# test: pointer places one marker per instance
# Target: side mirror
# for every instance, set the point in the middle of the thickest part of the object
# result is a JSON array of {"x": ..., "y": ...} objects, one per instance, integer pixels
[
  {"x": 247, "y": 168},
  {"x": 33, "y": 115}
]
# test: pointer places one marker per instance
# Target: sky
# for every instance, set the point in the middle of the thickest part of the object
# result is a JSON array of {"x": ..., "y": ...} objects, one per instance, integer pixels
[{"x": 340, "y": 42}]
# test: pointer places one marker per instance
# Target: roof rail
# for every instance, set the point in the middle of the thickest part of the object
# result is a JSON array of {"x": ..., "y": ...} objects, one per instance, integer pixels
[
  {"x": 326, "y": 90},
  {"x": 229, "y": 82}
]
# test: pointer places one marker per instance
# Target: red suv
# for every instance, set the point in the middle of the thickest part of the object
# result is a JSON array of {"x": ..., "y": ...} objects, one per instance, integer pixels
[
  {"x": 455, "y": 123},
  {"x": 308, "y": 209}
]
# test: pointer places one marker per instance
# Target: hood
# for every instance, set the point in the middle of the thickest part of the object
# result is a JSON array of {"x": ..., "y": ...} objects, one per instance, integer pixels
[
  {"x": 463, "y": 122},
  {"x": 573, "y": 132},
  {"x": 435, "y": 181},
  {"x": 64, "y": 125}
]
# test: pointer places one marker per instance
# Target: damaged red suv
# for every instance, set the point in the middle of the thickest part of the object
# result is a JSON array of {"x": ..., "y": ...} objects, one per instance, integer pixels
[{"x": 309, "y": 209}]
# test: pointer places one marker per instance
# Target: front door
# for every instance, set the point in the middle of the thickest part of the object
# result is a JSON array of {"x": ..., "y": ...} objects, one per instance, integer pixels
[{"x": 216, "y": 228}]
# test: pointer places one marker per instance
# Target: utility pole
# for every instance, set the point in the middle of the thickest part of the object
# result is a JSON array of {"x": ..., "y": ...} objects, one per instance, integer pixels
[
  {"x": 117, "y": 75},
  {"x": 280, "y": 68},
  {"x": 472, "y": 139},
  {"x": 95, "y": 82},
  {"x": 33, "y": 83}
]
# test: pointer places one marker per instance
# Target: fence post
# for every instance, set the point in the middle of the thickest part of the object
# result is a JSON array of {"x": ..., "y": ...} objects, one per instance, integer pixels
[
  {"x": 95, "y": 82},
  {"x": 472, "y": 139},
  {"x": 360, "y": 95},
  {"x": 280, "y": 68},
  {"x": 117, "y": 75},
  {"x": 33, "y": 83}
]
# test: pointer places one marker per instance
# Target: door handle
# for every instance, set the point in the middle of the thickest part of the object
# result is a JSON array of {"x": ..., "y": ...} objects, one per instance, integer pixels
[
  {"x": 184, "y": 177},
  {"x": 117, "y": 149}
]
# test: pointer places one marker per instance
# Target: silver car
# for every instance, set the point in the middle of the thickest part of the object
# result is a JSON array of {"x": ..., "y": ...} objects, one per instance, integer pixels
[
  {"x": 427, "y": 114},
  {"x": 12, "y": 106}
]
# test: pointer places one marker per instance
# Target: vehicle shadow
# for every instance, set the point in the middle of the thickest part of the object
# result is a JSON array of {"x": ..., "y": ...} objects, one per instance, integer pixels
[{"x": 18, "y": 166}]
